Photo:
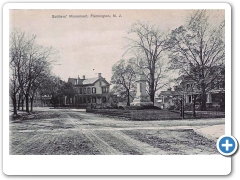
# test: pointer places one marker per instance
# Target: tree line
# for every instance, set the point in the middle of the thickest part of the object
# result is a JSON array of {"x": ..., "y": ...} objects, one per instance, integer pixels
[
  {"x": 195, "y": 50},
  {"x": 29, "y": 70}
]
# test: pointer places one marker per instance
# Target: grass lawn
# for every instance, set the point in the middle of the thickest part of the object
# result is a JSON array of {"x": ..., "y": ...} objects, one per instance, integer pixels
[{"x": 153, "y": 114}]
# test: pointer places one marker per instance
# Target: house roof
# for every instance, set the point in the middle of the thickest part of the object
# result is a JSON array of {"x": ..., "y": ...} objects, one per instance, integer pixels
[
  {"x": 168, "y": 93},
  {"x": 89, "y": 81},
  {"x": 72, "y": 80},
  {"x": 78, "y": 81}
]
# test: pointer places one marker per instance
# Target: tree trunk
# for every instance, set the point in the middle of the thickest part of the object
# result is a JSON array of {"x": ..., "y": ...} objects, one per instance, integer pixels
[
  {"x": 204, "y": 106},
  {"x": 151, "y": 88},
  {"x": 14, "y": 101},
  {"x": 128, "y": 98},
  {"x": 181, "y": 107},
  {"x": 22, "y": 103},
  {"x": 183, "y": 103},
  {"x": 19, "y": 100},
  {"x": 54, "y": 101},
  {"x": 27, "y": 103},
  {"x": 31, "y": 101},
  {"x": 194, "y": 104},
  {"x": 203, "y": 98}
]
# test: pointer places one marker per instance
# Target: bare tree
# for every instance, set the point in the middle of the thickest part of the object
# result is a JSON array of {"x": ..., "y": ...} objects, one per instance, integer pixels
[
  {"x": 124, "y": 76},
  {"x": 198, "y": 50},
  {"x": 17, "y": 54},
  {"x": 38, "y": 63},
  {"x": 42, "y": 82},
  {"x": 147, "y": 45},
  {"x": 14, "y": 87},
  {"x": 28, "y": 61}
]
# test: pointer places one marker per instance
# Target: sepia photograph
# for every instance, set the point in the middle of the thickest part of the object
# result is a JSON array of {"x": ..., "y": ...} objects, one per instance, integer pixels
[{"x": 116, "y": 81}]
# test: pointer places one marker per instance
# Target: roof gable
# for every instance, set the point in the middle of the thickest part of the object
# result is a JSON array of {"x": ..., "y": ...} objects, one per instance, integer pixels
[
  {"x": 94, "y": 80},
  {"x": 72, "y": 80},
  {"x": 89, "y": 81}
]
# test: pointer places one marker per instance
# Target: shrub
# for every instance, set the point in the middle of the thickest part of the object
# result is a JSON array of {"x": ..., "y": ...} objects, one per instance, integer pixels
[
  {"x": 171, "y": 107},
  {"x": 120, "y": 107},
  {"x": 188, "y": 107},
  {"x": 141, "y": 107}
]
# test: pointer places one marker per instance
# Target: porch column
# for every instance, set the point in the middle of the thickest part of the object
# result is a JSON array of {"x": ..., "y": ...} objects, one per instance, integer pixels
[
  {"x": 209, "y": 98},
  {"x": 187, "y": 99},
  {"x": 65, "y": 100}
]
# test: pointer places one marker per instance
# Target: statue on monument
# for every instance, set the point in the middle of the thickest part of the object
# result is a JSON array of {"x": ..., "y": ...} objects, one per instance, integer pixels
[{"x": 141, "y": 98}]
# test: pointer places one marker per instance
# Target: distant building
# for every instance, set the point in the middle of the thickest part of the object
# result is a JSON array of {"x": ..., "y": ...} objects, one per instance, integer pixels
[
  {"x": 166, "y": 98},
  {"x": 42, "y": 101},
  {"x": 45, "y": 98},
  {"x": 215, "y": 96},
  {"x": 94, "y": 91}
]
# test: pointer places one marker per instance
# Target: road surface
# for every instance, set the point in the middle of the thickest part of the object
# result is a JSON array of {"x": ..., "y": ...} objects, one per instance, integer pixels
[{"x": 75, "y": 132}]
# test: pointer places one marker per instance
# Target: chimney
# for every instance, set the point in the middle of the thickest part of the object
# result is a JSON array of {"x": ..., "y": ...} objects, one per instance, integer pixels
[
  {"x": 83, "y": 76},
  {"x": 99, "y": 75},
  {"x": 78, "y": 79}
]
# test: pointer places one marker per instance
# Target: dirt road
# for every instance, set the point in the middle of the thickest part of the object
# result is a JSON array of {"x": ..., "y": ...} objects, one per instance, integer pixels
[{"x": 58, "y": 131}]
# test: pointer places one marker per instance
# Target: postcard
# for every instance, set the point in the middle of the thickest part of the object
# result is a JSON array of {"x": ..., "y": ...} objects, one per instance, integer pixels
[{"x": 117, "y": 89}]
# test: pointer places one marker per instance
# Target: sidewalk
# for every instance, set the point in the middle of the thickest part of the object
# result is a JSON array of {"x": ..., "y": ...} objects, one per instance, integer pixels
[{"x": 213, "y": 132}]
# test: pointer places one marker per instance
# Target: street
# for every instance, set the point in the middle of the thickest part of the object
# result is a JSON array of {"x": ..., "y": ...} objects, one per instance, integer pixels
[{"x": 75, "y": 132}]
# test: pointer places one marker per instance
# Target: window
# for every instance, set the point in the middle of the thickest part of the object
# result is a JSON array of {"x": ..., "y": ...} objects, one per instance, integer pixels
[
  {"x": 93, "y": 90},
  {"x": 105, "y": 89},
  {"x": 84, "y": 90},
  {"x": 84, "y": 100},
  {"x": 80, "y": 91},
  {"x": 89, "y": 99},
  {"x": 104, "y": 99},
  {"x": 93, "y": 99},
  {"x": 189, "y": 99},
  {"x": 88, "y": 90}
]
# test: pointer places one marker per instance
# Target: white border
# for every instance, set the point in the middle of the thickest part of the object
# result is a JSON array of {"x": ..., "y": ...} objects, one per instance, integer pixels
[{"x": 114, "y": 165}]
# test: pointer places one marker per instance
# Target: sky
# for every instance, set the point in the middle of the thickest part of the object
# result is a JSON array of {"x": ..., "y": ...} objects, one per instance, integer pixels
[{"x": 87, "y": 46}]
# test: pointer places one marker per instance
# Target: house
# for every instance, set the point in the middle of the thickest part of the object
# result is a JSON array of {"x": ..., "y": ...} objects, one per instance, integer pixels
[
  {"x": 215, "y": 92},
  {"x": 166, "y": 98},
  {"x": 42, "y": 100},
  {"x": 94, "y": 91},
  {"x": 187, "y": 88}
]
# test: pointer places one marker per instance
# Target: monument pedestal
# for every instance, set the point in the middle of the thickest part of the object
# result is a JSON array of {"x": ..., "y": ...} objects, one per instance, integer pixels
[
  {"x": 141, "y": 101},
  {"x": 142, "y": 98}
]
